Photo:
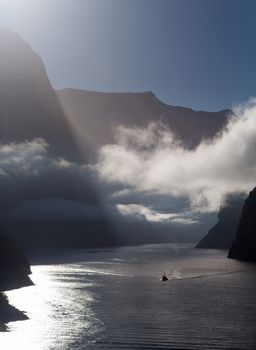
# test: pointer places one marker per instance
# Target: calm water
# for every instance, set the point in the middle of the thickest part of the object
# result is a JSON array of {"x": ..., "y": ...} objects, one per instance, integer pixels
[{"x": 114, "y": 299}]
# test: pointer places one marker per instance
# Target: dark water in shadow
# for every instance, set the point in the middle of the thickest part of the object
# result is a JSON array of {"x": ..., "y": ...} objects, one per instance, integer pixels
[{"x": 114, "y": 299}]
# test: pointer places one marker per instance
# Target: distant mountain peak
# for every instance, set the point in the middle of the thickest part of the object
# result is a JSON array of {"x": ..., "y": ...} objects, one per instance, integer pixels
[
  {"x": 97, "y": 114},
  {"x": 12, "y": 40},
  {"x": 115, "y": 93},
  {"x": 29, "y": 107}
]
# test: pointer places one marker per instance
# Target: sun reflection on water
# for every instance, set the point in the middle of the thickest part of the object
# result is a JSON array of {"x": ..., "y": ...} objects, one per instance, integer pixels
[
  {"x": 114, "y": 300},
  {"x": 58, "y": 307}
]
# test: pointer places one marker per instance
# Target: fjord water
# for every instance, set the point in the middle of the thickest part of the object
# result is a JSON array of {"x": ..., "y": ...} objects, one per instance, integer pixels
[{"x": 114, "y": 299}]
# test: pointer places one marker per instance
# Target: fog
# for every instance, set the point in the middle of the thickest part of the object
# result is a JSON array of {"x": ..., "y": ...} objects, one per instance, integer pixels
[
  {"x": 51, "y": 201},
  {"x": 151, "y": 160},
  {"x": 147, "y": 179}
]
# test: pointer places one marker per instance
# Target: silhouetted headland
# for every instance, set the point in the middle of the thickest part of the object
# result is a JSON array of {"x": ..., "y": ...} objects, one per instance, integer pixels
[
  {"x": 14, "y": 273},
  {"x": 222, "y": 235},
  {"x": 244, "y": 245}
]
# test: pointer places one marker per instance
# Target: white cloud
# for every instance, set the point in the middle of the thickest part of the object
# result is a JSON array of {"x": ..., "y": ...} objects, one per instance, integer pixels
[
  {"x": 35, "y": 185},
  {"x": 29, "y": 159},
  {"x": 28, "y": 172},
  {"x": 22, "y": 159},
  {"x": 151, "y": 160},
  {"x": 152, "y": 215}
]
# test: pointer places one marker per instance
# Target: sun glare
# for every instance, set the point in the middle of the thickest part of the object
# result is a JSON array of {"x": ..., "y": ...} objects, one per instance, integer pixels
[{"x": 14, "y": 6}]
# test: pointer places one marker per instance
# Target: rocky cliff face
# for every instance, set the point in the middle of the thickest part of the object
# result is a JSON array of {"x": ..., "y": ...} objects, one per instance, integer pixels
[
  {"x": 97, "y": 114},
  {"x": 14, "y": 267},
  {"x": 223, "y": 233},
  {"x": 14, "y": 273},
  {"x": 29, "y": 107},
  {"x": 244, "y": 245},
  {"x": 9, "y": 313}
]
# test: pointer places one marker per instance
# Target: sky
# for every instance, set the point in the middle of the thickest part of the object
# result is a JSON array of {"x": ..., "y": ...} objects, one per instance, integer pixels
[{"x": 195, "y": 53}]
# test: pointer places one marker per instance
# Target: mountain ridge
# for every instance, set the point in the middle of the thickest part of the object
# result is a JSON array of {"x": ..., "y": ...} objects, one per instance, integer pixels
[
  {"x": 88, "y": 109},
  {"x": 145, "y": 93}
]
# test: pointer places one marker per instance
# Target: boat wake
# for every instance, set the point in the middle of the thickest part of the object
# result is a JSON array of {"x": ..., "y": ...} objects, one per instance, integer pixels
[{"x": 177, "y": 275}]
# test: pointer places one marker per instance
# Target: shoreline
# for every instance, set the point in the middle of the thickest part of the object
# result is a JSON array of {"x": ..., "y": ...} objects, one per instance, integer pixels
[{"x": 9, "y": 313}]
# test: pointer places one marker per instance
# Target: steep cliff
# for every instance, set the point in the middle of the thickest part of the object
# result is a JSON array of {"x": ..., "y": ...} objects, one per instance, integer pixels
[
  {"x": 14, "y": 273},
  {"x": 29, "y": 107},
  {"x": 244, "y": 245},
  {"x": 14, "y": 267},
  {"x": 9, "y": 313},
  {"x": 223, "y": 233}
]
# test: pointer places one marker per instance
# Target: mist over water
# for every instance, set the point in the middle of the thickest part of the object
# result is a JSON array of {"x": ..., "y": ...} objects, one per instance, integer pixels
[{"x": 115, "y": 299}]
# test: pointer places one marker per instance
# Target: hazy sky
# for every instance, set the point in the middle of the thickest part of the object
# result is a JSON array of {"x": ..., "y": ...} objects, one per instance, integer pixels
[{"x": 196, "y": 53}]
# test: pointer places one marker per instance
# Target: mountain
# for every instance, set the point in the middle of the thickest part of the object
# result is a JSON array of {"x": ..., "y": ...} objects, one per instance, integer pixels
[
  {"x": 96, "y": 115},
  {"x": 223, "y": 233},
  {"x": 244, "y": 245},
  {"x": 14, "y": 267},
  {"x": 40, "y": 209},
  {"x": 29, "y": 107},
  {"x": 14, "y": 273}
]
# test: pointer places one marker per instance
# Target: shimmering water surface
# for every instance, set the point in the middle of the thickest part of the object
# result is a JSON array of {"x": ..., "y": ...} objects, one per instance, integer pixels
[{"x": 114, "y": 299}]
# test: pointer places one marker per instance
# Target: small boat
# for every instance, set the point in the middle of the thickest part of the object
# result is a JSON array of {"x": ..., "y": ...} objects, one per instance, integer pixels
[{"x": 164, "y": 277}]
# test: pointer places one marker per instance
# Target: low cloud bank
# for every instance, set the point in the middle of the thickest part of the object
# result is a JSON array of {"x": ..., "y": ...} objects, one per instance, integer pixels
[
  {"x": 141, "y": 184},
  {"x": 151, "y": 160},
  {"x": 151, "y": 215},
  {"x": 27, "y": 172},
  {"x": 28, "y": 159}
]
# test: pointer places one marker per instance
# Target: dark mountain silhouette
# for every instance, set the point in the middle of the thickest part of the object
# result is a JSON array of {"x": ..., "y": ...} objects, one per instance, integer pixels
[
  {"x": 244, "y": 245},
  {"x": 29, "y": 107},
  {"x": 14, "y": 267},
  {"x": 223, "y": 233},
  {"x": 96, "y": 114},
  {"x": 38, "y": 235},
  {"x": 14, "y": 273}
]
